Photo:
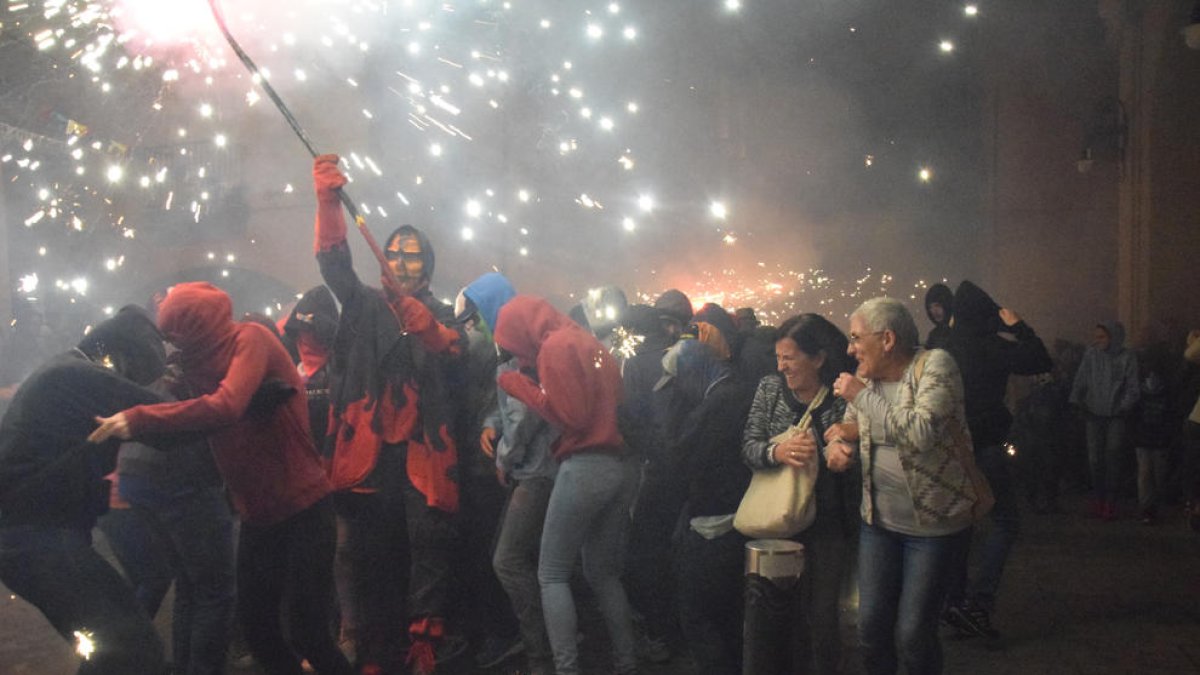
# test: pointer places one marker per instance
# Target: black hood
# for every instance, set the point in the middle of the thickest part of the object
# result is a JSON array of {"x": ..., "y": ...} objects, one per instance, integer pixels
[
  {"x": 940, "y": 293},
  {"x": 643, "y": 320},
  {"x": 974, "y": 310},
  {"x": 316, "y": 312},
  {"x": 130, "y": 342},
  {"x": 427, "y": 256}
]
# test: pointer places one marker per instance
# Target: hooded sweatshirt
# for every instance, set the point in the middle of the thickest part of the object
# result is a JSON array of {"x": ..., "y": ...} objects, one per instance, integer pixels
[
  {"x": 986, "y": 359},
  {"x": 267, "y": 458},
  {"x": 389, "y": 392},
  {"x": 489, "y": 293},
  {"x": 49, "y": 474},
  {"x": 308, "y": 333},
  {"x": 1106, "y": 384},
  {"x": 940, "y": 335},
  {"x": 580, "y": 386}
]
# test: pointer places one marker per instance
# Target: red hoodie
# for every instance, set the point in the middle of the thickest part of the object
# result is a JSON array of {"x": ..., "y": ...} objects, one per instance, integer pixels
[
  {"x": 268, "y": 461},
  {"x": 580, "y": 382}
]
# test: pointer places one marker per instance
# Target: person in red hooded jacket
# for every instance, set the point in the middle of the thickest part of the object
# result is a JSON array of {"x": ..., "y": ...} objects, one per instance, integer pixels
[
  {"x": 578, "y": 390},
  {"x": 395, "y": 462},
  {"x": 267, "y": 459}
]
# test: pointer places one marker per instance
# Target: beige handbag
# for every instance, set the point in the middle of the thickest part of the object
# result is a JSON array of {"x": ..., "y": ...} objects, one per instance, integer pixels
[{"x": 779, "y": 502}]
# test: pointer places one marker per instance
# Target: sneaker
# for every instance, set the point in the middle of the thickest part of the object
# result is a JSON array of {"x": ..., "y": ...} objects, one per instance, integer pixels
[
  {"x": 970, "y": 619},
  {"x": 495, "y": 651}
]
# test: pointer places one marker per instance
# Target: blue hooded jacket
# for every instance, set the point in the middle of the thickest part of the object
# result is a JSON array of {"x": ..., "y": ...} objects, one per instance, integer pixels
[{"x": 489, "y": 293}]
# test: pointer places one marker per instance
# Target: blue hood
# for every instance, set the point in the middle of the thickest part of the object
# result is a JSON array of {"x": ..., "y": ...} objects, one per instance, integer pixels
[{"x": 489, "y": 293}]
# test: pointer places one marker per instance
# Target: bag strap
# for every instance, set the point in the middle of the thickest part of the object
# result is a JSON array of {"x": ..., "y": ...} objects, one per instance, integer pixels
[
  {"x": 919, "y": 366},
  {"x": 806, "y": 419}
]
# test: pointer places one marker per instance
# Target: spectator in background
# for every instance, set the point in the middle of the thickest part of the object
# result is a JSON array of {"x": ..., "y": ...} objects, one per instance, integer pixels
[
  {"x": 1106, "y": 390},
  {"x": 1154, "y": 426},
  {"x": 1191, "y": 474},
  {"x": 989, "y": 343},
  {"x": 675, "y": 310},
  {"x": 939, "y": 307}
]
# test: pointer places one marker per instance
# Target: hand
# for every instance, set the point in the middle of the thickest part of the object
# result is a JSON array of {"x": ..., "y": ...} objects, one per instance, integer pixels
[
  {"x": 501, "y": 477},
  {"x": 796, "y": 451},
  {"x": 847, "y": 431},
  {"x": 110, "y": 427},
  {"x": 1009, "y": 317},
  {"x": 327, "y": 178},
  {"x": 1193, "y": 335},
  {"x": 487, "y": 441},
  {"x": 847, "y": 386},
  {"x": 839, "y": 455}
]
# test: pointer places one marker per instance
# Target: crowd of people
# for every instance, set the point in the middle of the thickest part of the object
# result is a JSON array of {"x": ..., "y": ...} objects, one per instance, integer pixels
[{"x": 380, "y": 479}]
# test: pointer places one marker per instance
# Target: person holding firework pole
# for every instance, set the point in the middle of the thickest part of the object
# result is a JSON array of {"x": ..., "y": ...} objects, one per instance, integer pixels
[{"x": 394, "y": 460}]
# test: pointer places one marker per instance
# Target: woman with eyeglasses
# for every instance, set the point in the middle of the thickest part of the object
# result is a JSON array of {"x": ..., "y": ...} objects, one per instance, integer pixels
[{"x": 906, "y": 426}]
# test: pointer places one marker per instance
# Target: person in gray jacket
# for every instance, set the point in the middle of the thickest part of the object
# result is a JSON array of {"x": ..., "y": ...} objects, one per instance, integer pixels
[
  {"x": 519, "y": 440},
  {"x": 1106, "y": 390}
]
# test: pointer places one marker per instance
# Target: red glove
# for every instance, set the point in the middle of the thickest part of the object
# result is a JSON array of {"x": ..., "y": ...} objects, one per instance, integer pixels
[{"x": 330, "y": 228}]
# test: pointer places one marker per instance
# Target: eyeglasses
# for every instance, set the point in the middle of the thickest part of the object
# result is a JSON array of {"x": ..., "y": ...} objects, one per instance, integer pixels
[{"x": 855, "y": 339}]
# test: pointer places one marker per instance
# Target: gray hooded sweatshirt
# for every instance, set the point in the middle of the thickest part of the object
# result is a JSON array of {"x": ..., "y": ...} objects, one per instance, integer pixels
[{"x": 1106, "y": 384}]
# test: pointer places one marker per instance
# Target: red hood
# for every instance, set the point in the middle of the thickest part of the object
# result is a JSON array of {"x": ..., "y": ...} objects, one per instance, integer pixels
[
  {"x": 524, "y": 323},
  {"x": 195, "y": 315}
]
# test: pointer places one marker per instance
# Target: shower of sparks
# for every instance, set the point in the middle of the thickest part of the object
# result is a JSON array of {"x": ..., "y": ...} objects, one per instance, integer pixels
[
  {"x": 157, "y": 146},
  {"x": 84, "y": 645},
  {"x": 778, "y": 293}
]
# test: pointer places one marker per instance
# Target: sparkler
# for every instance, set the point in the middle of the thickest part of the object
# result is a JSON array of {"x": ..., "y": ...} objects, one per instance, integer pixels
[{"x": 376, "y": 250}]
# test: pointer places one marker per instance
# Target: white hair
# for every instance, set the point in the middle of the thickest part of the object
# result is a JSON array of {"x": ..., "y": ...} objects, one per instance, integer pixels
[{"x": 882, "y": 314}]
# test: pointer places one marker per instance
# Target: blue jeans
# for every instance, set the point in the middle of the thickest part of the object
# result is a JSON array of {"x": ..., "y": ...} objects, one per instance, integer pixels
[
  {"x": 994, "y": 463},
  {"x": 1105, "y": 444},
  {"x": 588, "y": 514},
  {"x": 902, "y": 582},
  {"x": 57, "y": 571},
  {"x": 188, "y": 538}
]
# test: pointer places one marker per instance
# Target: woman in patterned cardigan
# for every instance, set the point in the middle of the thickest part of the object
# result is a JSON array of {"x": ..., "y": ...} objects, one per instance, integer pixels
[{"x": 906, "y": 426}]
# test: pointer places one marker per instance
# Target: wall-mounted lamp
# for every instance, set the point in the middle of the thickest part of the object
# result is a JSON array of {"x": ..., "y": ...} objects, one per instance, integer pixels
[{"x": 1104, "y": 136}]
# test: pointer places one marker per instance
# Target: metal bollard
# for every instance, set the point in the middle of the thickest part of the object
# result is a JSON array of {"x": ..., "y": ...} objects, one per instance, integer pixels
[{"x": 773, "y": 571}]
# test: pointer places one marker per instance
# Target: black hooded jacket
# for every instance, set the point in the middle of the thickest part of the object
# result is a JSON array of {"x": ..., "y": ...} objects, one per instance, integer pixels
[
  {"x": 986, "y": 358},
  {"x": 940, "y": 335}
]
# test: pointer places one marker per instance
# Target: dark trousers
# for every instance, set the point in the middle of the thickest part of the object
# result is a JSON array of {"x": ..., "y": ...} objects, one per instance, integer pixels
[
  {"x": 187, "y": 538},
  {"x": 290, "y": 564},
  {"x": 649, "y": 579},
  {"x": 993, "y": 462},
  {"x": 57, "y": 571},
  {"x": 399, "y": 552},
  {"x": 711, "y": 600},
  {"x": 1106, "y": 450},
  {"x": 516, "y": 563}
]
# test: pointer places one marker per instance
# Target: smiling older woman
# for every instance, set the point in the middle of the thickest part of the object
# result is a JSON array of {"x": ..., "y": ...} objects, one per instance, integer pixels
[
  {"x": 918, "y": 501},
  {"x": 810, "y": 352}
]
